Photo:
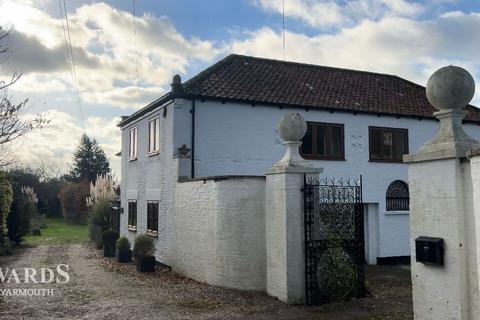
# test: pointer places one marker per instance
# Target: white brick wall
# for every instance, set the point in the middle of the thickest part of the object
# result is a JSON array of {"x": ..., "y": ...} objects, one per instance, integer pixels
[{"x": 219, "y": 232}]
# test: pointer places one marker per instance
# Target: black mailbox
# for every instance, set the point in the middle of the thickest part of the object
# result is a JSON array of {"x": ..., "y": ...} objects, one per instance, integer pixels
[{"x": 429, "y": 250}]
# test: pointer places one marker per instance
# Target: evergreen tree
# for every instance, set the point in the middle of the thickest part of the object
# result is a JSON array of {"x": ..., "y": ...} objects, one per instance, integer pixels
[{"x": 89, "y": 161}]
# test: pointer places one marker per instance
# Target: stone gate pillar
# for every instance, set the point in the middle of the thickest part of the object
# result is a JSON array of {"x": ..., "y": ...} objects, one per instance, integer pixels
[
  {"x": 441, "y": 207},
  {"x": 284, "y": 215}
]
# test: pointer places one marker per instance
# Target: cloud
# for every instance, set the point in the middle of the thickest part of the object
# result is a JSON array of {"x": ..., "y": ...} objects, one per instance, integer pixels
[
  {"x": 402, "y": 46},
  {"x": 106, "y": 51},
  {"x": 27, "y": 54},
  {"x": 330, "y": 13},
  {"x": 56, "y": 142}
]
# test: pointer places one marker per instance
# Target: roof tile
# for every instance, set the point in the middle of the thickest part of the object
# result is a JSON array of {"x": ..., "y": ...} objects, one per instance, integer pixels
[{"x": 267, "y": 81}]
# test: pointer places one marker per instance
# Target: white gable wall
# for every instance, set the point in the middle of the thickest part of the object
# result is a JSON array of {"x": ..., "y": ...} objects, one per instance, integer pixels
[
  {"x": 149, "y": 178},
  {"x": 235, "y": 138}
]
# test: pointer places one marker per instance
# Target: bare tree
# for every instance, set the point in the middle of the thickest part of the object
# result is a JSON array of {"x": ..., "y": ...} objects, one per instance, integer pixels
[{"x": 13, "y": 122}]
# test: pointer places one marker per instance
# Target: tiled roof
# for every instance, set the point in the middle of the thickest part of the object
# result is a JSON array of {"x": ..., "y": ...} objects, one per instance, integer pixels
[
  {"x": 266, "y": 81},
  {"x": 290, "y": 84}
]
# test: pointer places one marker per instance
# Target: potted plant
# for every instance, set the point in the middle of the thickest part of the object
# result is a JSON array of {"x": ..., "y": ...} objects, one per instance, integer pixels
[
  {"x": 143, "y": 251},
  {"x": 124, "y": 254},
  {"x": 109, "y": 238}
]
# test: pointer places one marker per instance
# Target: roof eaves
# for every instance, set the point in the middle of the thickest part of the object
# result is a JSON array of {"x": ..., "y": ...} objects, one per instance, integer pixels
[
  {"x": 325, "y": 108},
  {"x": 166, "y": 97}
]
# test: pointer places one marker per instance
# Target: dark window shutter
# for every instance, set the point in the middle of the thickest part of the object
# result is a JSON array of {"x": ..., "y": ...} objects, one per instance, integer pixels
[
  {"x": 135, "y": 214},
  {"x": 321, "y": 140},
  {"x": 336, "y": 141},
  {"x": 307, "y": 141},
  {"x": 375, "y": 143},
  {"x": 149, "y": 216},
  {"x": 155, "y": 218}
]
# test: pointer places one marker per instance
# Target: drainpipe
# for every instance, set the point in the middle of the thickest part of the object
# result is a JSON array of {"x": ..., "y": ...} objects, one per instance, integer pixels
[{"x": 193, "y": 138}]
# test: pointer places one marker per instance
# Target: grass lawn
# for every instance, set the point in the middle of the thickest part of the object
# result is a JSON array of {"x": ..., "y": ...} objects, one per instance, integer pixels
[{"x": 59, "y": 232}]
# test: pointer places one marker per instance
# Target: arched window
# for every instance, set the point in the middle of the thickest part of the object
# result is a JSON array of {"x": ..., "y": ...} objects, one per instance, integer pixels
[{"x": 398, "y": 197}]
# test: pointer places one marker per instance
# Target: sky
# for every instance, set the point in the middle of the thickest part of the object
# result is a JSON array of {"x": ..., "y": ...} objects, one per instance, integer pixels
[{"x": 123, "y": 63}]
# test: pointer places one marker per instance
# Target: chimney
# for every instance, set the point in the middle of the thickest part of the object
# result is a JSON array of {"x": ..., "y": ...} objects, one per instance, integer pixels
[{"x": 177, "y": 87}]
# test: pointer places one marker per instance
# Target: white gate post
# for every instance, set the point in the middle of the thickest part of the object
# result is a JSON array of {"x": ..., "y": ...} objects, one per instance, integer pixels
[
  {"x": 440, "y": 206},
  {"x": 284, "y": 215}
]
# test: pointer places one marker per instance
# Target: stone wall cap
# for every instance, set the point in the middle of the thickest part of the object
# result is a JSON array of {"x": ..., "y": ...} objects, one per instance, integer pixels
[
  {"x": 435, "y": 155},
  {"x": 294, "y": 169},
  {"x": 221, "y": 178},
  {"x": 473, "y": 153}
]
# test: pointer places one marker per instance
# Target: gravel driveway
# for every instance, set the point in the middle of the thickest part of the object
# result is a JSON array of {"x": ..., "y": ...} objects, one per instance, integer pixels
[{"x": 100, "y": 288}]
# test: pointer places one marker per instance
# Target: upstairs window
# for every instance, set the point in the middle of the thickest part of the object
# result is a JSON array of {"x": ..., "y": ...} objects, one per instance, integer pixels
[
  {"x": 323, "y": 141},
  {"x": 388, "y": 144},
  {"x": 152, "y": 218},
  {"x": 132, "y": 215},
  {"x": 154, "y": 136},
  {"x": 398, "y": 196},
  {"x": 132, "y": 149}
]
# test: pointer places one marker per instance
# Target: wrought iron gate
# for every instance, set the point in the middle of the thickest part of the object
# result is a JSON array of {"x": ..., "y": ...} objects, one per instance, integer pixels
[{"x": 334, "y": 239}]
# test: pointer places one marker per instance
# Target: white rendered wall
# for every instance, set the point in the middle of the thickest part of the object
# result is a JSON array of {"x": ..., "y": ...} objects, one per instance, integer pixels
[
  {"x": 472, "y": 200},
  {"x": 219, "y": 232},
  {"x": 240, "y": 139},
  {"x": 437, "y": 211}
]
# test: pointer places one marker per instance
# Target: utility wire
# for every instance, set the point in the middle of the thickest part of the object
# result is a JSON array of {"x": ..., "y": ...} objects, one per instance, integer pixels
[
  {"x": 73, "y": 66},
  {"x": 136, "y": 51},
  {"x": 70, "y": 58},
  {"x": 283, "y": 28}
]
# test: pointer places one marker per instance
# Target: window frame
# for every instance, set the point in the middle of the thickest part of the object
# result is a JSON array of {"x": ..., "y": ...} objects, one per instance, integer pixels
[
  {"x": 395, "y": 158},
  {"x": 394, "y": 202},
  {"x": 151, "y": 231},
  {"x": 132, "y": 227},
  {"x": 133, "y": 144},
  {"x": 156, "y": 135},
  {"x": 328, "y": 126}
]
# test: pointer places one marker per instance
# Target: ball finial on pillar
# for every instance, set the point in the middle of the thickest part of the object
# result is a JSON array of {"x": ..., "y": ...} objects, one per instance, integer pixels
[
  {"x": 291, "y": 128},
  {"x": 450, "y": 88}
]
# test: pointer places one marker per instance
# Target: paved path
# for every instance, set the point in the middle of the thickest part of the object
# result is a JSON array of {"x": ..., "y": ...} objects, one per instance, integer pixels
[{"x": 100, "y": 288}]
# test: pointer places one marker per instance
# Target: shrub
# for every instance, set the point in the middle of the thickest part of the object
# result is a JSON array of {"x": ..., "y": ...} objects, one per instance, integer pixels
[
  {"x": 101, "y": 214},
  {"x": 6, "y": 249},
  {"x": 110, "y": 237},
  {"x": 123, "y": 244},
  {"x": 104, "y": 189},
  {"x": 144, "y": 246},
  {"x": 73, "y": 201},
  {"x": 19, "y": 220},
  {"x": 95, "y": 233},
  {"x": 46, "y": 187},
  {"x": 99, "y": 220},
  {"x": 31, "y": 200},
  {"x": 6, "y": 198},
  {"x": 43, "y": 221}
]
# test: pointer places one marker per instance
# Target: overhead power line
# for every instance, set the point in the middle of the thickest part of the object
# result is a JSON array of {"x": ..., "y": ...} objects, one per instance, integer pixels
[
  {"x": 136, "y": 50},
  {"x": 70, "y": 58},
  {"x": 283, "y": 28}
]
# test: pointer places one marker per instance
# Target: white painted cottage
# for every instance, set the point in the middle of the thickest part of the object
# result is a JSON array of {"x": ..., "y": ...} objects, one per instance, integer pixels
[{"x": 359, "y": 123}]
